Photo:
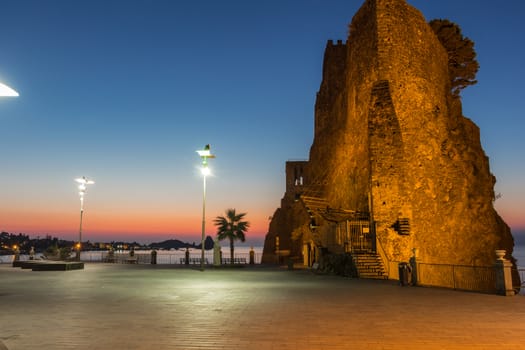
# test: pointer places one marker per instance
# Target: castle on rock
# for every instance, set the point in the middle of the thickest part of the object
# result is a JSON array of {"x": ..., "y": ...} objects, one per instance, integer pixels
[{"x": 395, "y": 169}]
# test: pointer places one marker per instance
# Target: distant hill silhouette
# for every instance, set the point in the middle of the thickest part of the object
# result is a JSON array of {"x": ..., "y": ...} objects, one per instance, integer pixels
[{"x": 177, "y": 244}]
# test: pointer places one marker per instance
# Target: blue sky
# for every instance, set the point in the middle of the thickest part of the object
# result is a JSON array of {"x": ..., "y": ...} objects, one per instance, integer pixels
[{"x": 124, "y": 92}]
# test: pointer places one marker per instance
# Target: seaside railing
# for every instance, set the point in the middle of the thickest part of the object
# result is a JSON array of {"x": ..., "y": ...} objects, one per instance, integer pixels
[
  {"x": 177, "y": 257},
  {"x": 460, "y": 277},
  {"x": 163, "y": 257}
]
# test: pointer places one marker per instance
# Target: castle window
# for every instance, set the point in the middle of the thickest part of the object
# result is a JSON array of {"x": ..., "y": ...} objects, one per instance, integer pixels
[{"x": 402, "y": 226}]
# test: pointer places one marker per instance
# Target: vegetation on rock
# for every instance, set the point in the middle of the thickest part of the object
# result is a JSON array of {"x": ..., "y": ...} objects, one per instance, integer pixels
[{"x": 462, "y": 63}]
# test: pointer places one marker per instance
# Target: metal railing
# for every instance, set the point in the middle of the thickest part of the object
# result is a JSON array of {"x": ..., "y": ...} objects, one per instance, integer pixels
[
  {"x": 163, "y": 257},
  {"x": 461, "y": 277},
  {"x": 382, "y": 255}
]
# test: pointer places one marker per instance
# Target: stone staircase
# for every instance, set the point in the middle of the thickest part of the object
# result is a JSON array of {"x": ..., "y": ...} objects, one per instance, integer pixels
[{"x": 369, "y": 265}]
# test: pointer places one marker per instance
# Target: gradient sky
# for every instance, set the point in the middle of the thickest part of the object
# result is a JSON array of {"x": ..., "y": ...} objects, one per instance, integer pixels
[{"x": 124, "y": 92}]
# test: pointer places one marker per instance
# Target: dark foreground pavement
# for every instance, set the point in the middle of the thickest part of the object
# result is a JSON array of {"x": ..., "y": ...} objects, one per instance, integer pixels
[{"x": 160, "y": 307}]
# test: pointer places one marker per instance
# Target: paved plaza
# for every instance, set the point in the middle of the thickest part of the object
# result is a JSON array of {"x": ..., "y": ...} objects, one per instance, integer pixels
[{"x": 115, "y": 306}]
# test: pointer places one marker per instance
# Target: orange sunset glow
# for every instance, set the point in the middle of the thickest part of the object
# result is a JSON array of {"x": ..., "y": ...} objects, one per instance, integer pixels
[{"x": 130, "y": 105}]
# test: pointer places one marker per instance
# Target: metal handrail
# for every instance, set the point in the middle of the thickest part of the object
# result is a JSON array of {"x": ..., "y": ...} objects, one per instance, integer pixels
[
  {"x": 462, "y": 277},
  {"x": 382, "y": 254}
]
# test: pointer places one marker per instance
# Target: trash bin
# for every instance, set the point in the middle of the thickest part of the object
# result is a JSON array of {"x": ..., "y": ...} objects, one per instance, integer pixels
[
  {"x": 290, "y": 264},
  {"x": 153, "y": 257},
  {"x": 252, "y": 256},
  {"x": 403, "y": 274}
]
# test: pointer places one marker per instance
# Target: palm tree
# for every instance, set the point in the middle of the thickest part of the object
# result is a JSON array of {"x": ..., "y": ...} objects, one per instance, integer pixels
[{"x": 232, "y": 227}]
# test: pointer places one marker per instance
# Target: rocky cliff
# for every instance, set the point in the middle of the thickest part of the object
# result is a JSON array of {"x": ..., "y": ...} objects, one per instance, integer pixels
[{"x": 390, "y": 140}]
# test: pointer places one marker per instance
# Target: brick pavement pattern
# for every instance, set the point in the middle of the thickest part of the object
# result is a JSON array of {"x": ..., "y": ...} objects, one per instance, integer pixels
[{"x": 160, "y": 307}]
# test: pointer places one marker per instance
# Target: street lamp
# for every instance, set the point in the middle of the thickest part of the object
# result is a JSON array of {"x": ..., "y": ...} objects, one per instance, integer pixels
[
  {"x": 82, "y": 187},
  {"x": 204, "y": 154},
  {"x": 7, "y": 91}
]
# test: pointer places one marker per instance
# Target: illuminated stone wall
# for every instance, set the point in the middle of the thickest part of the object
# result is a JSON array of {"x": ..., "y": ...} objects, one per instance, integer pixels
[
  {"x": 391, "y": 140},
  {"x": 288, "y": 217}
]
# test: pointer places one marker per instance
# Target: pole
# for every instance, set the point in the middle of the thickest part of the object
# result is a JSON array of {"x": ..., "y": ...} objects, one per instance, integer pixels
[
  {"x": 80, "y": 228},
  {"x": 204, "y": 154},
  {"x": 82, "y": 187},
  {"x": 203, "y": 220}
]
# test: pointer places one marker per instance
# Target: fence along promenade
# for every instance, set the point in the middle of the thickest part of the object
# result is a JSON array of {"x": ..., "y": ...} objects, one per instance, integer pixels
[
  {"x": 169, "y": 257},
  {"x": 496, "y": 279},
  {"x": 459, "y": 277}
]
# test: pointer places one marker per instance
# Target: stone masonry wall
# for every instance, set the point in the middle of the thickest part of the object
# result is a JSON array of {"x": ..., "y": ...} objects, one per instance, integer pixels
[
  {"x": 446, "y": 190},
  {"x": 390, "y": 139},
  {"x": 289, "y": 216}
]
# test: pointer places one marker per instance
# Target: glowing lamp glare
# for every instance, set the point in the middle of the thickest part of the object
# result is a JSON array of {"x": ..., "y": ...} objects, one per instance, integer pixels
[{"x": 7, "y": 91}]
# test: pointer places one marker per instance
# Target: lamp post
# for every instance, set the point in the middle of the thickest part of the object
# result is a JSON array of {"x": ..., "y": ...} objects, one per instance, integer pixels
[
  {"x": 7, "y": 91},
  {"x": 82, "y": 187},
  {"x": 204, "y": 154}
]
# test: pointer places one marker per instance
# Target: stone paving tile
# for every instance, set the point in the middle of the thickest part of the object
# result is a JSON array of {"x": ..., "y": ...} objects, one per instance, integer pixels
[{"x": 148, "y": 307}]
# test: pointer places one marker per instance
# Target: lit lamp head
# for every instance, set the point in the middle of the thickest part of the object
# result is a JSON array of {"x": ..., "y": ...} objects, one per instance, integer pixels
[
  {"x": 205, "y": 154},
  {"x": 82, "y": 185},
  {"x": 7, "y": 91},
  {"x": 83, "y": 182}
]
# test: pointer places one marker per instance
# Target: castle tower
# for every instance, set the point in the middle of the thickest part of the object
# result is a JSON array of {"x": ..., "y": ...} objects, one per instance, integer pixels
[
  {"x": 390, "y": 133},
  {"x": 391, "y": 140}
]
